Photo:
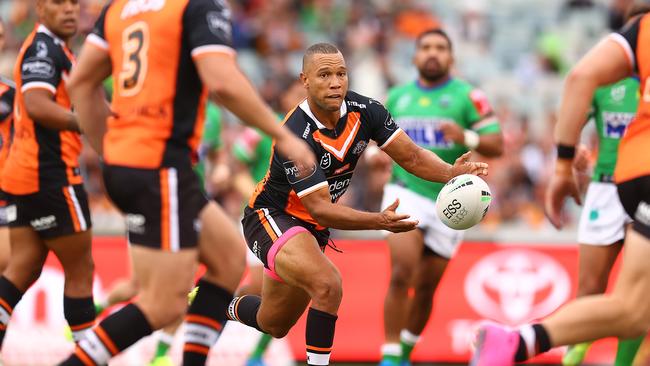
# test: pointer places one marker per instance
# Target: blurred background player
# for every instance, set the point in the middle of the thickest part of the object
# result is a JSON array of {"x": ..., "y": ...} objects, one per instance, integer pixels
[
  {"x": 288, "y": 218},
  {"x": 625, "y": 313},
  {"x": 148, "y": 140},
  {"x": 49, "y": 207},
  {"x": 252, "y": 151},
  {"x": 603, "y": 220},
  {"x": 449, "y": 117},
  {"x": 7, "y": 95}
]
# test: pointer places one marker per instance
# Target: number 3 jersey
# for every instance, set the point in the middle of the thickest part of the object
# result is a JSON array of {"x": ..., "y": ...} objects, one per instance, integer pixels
[
  {"x": 41, "y": 158},
  {"x": 158, "y": 101},
  {"x": 337, "y": 153}
]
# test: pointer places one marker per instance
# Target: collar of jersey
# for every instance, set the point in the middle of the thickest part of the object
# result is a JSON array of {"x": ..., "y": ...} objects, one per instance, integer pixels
[
  {"x": 43, "y": 29},
  {"x": 435, "y": 87},
  {"x": 305, "y": 107}
]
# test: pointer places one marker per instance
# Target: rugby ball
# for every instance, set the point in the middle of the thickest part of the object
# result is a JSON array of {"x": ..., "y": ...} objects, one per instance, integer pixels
[{"x": 463, "y": 201}]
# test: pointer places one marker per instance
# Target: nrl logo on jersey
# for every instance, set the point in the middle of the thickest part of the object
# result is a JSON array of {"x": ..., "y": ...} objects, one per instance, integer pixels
[
  {"x": 326, "y": 161},
  {"x": 618, "y": 93}
]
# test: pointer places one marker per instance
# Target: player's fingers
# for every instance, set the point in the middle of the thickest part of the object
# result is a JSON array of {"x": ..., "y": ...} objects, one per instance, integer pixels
[
  {"x": 398, "y": 217},
  {"x": 552, "y": 210},
  {"x": 463, "y": 158},
  {"x": 576, "y": 196},
  {"x": 393, "y": 206}
]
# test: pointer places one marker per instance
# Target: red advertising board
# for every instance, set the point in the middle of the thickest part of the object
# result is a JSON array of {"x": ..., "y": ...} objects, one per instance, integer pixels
[{"x": 507, "y": 283}]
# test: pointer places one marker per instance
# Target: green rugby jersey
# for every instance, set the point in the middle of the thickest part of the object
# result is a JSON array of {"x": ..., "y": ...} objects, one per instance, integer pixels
[
  {"x": 211, "y": 139},
  {"x": 613, "y": 108},
  {"x": 419, "y": 111},
  {"x": 253, "y": 148}
]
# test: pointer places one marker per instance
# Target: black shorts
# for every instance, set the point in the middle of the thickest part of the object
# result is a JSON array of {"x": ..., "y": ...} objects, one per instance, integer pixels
[
  {"x": 161, "y": 206},
  {"x": 266, "y": 230},
  {"x": 635, "y": 198},
  {"x": 51, "y": 213}
]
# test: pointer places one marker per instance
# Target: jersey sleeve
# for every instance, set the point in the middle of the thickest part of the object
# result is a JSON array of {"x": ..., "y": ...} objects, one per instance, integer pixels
[
  {"x": 480, "y": 115},
  {"x": 7, "y": 94},
  {"x": 208, "y": 27},
  {"x": 627, "y": 37},
  {"x": 41, "y": 66},
  {"x": 309, "y": 180},
  {"x": 383, "y": 127},
  {"x": 97, "y": 36}
]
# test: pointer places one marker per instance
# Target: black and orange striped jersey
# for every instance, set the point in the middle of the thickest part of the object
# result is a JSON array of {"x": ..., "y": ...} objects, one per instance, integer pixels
[
  {"x": 41, "y": 158},
  {"x": 337, "y": 151},
  {"x": 7, "y": 95},
  {"x": 159, "y": 99},
  {"x": 633, "y": 154}
]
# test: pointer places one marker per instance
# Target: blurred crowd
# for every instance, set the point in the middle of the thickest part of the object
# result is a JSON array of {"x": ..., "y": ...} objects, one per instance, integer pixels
[{"x": 517, "y": 51}]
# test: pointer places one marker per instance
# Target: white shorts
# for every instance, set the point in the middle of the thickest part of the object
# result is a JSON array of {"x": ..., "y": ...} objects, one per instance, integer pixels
[
  {"x": 603, "y": 218},
  {"x": 438, "y": 237}
]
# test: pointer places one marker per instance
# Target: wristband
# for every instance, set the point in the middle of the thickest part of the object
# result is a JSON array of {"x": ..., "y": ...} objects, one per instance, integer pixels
[
  {"x": 566, "y": 152},
  {"x": 472, "y": 139}
]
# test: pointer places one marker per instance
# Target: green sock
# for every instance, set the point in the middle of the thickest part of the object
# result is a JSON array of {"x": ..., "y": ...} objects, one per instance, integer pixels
[
  {"x": 261, "y": 346},
  {"x": 391, "y": 352},
  {"x": 164, "y": 343},
  {"x": 99, "y": 308},
  {"x": 627, "y": 349},
  {"x": 408, "y": 341}
]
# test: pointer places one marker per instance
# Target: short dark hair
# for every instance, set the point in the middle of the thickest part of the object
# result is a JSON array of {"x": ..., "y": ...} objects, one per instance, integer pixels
[
  {"x": 319, "y": 48},
  {"x": 437, "y": 31},
  {"x": 637, "y": 8}
]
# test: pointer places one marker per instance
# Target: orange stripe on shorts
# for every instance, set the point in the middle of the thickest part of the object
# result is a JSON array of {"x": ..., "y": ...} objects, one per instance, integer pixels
[
  {"x": 108, "y": 342},
  {"x": 164, "y": 212},
  {"x": 203, "y": 320},
  {"x": 73, "y": 211},
  {"x": 267, "y": 226},
  {"x": 196, "y": 348}
]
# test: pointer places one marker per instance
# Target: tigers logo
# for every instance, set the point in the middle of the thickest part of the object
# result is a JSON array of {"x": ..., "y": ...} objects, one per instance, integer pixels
[
  {"x": 514, "y": 286},
  {"x": 360, "y": 147}
]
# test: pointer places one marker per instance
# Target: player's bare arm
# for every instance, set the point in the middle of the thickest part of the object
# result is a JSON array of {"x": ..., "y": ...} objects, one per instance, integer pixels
[
  {"x": 427, "y": 165},
  {"x": 489, "y": 145},
  {"x": 87, "y": 95},
  {"x": 341, "y": 217},
  {"x": 42, "y": 108},
  {"x": 606, "y": 63},
  {"x": 228, "y": 87}
]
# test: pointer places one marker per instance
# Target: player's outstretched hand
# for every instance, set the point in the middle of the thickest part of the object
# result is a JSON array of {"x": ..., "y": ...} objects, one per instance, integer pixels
[
  {"x": 562, "y": 185},
  {"x": 296, "y": 150},
  {"x": 394, "y": 222},
  {"x": 464, "y": 166}
]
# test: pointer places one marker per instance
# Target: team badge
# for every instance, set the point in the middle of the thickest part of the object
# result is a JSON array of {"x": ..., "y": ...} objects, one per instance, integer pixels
[
  {"x": 326, "y": 161},
  {"x": 358, "y": 149}
]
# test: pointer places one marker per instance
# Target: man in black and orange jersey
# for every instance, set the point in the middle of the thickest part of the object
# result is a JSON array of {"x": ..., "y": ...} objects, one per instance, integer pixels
[
  {"x": 7, "y": 95},
  {"x": 625, "y": 313},
  {"x": 287, "y": 220},
  {"x": 49, "y": 207},
  {"x": 165, "y": 58}
]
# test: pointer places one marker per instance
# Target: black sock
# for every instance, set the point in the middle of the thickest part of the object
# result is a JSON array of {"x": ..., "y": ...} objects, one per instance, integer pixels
[
  {"x": 204, "y": 321},
  {"x": 80, "y": 314},
  {"x": 244, "y": 309},
  {"x": 9, "y": 297},
  {"x": 320, "y": 336},
  {"x": 540, "y": 339},
  {"x": 114, "y": 334}
]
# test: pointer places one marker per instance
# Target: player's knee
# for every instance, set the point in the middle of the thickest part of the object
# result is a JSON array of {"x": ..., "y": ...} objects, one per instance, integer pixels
[
  {"x": 425, "y": 290},
  {"x": 278, "y": 331},
  {"x": 400, "y": 276},
  {"x": 328, "y": 288}
]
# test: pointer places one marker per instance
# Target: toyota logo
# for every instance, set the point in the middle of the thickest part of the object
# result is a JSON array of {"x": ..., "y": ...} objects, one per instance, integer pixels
[{"x": 515, "y": 286}]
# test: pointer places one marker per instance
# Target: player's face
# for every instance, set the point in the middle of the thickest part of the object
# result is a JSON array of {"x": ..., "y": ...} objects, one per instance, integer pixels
[
  {"x": 59, "y": 16},
  {"x": 326, "y": 80},
  {"x": 433, "y": 57}
]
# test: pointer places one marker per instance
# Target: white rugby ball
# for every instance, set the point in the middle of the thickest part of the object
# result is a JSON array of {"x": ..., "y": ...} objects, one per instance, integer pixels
[{"x": 463, "y": 201}]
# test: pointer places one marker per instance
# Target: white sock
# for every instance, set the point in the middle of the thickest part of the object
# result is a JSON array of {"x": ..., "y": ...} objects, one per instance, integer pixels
[
  {"x": 165, "y": 337},
  {"x": 528, "y": 334},
  {"x": 408, "y": 337},
  {"x": 391, "y": 349}
]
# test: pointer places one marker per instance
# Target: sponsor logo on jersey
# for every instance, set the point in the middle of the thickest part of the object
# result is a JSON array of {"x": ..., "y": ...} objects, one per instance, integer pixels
[
  {"x": 305, "y": 133},
  {"x": 358, "y": 105},
  {"x": 617, "y": 93},
  {"x": 338, "y": 187},
  {"x": 425, "y": 132},
  {"x": 342, "y": 169},
  {"x": 256, "y": 249},
  {"x": 360, "y": 147},
  {"x": 642, "y": 213},
  {"x": 325, "y": 161},
  {"x": 135, "y": 223},
  {"x": 37, "y": 67},
  {"x": 219, "y": 22},
  {"x": 43, "y": 223},
  {"x": 615, "y": 123},
  {"x": 514, "y": 286},
  {"x": 480, "y": 101},
  {"x": 295, "y": 175},
  {"x": 135, "y": 7},
  {"x": 10, "y": 213}
]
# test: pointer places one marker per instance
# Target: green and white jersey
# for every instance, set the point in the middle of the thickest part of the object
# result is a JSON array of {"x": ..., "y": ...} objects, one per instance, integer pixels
[
  {"x": 211, "y": 139},
  {"x": 613, "y": 108},
  {"x": 253, "y": 148},
  {"x": 420, "y": 111}
]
